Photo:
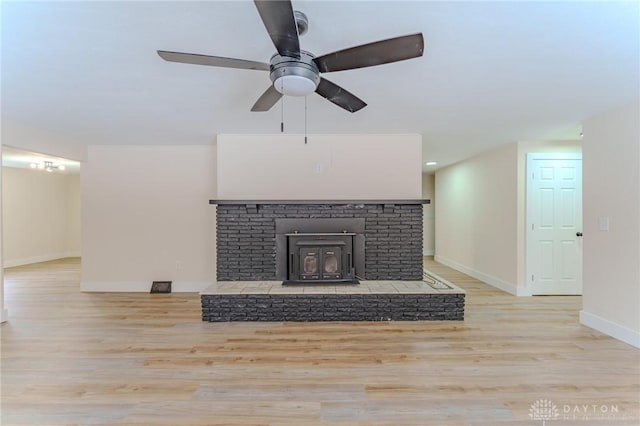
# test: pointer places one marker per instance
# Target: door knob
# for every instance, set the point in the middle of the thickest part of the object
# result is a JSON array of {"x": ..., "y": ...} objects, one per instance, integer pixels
[{"x": 578, "y": 234}]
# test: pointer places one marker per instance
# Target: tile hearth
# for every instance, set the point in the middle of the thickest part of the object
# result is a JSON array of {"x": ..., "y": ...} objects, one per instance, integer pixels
[
  {"x": 371, "y": 300},
  {"x": 365, "y": 287}
]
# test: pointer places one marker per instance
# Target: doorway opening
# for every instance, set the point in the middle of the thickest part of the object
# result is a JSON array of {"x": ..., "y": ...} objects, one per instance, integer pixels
[{"x": 40, "y": 208}]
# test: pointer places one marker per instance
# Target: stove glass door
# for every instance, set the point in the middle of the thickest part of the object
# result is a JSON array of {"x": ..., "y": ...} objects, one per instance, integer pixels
[
  {"x": 331, "y": 263},
  {"x": 309, "y": 263}
]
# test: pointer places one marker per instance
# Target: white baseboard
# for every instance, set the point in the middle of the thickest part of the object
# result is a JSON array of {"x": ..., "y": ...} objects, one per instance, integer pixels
[
  {"x": 141, "y": 287},
  {"x": 428, "y": 252},
  {"x": 37, "y": 259},
  {"x": 4, "y": 315},
  {"x": 492, "y": 281},
  {"x": 610, "y": 328}
]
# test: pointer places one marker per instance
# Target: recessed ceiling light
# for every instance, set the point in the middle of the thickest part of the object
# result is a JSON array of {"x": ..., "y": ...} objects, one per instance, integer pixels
[{"x": 431, "y": 163}]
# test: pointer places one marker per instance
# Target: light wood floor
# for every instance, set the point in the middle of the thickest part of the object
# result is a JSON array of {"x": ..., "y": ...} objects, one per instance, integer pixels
[{"x": 90, "y": 358}]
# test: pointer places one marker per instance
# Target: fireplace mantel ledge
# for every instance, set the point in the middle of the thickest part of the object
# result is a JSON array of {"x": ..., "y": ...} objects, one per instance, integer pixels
[{"x": 259, "y": 202}]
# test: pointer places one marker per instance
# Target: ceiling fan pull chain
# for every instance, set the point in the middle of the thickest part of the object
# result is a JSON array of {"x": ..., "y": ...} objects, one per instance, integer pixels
[
  {"x": 305, "y": 120},
  {"x": 282, "y": 114}
]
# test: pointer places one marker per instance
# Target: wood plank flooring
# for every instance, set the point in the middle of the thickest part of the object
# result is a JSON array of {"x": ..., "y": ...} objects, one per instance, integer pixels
[{"x": 100, "y": 358}]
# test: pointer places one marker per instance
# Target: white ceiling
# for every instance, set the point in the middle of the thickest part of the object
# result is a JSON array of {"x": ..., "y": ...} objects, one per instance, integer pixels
[{"x": 492, "y": 73}]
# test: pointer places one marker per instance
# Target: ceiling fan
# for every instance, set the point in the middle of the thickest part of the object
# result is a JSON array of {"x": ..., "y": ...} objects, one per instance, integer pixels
[{"x": 296, "y": 72}]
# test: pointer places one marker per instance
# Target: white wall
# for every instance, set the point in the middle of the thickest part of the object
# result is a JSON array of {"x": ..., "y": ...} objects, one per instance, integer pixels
[
  {"x": 329, "y": 167},
  {"x": 611, "y": 176},
  {"x": 74, "y": 215},
  {"x": 3, "y": 312},
  {"x": 476, "y": 217},
  {"x": 41, "y": 216},
  {"x": 429, "y": 215},
  {"x": 146, "y": 217}
]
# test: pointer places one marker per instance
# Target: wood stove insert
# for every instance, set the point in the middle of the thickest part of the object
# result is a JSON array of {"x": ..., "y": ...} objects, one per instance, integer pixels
[
  {"x": 320, "y": 258},
  {"x": 320, "y": 250}
]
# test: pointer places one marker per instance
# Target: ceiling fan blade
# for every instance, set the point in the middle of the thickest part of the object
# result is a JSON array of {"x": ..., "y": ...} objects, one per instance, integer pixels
[
  {"x": 214, "y": 61},
  {"x": 278, "y": 19},
  {"x": 267, "y": 100},
  {"x": 339, "y": 96},
  {"x": 376, "y": 53}
]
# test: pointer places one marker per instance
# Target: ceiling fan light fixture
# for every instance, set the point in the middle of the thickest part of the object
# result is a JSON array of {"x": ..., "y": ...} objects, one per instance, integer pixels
[
  {"x": 294, "y": 85},
  {"x": 48, "y": 166}
]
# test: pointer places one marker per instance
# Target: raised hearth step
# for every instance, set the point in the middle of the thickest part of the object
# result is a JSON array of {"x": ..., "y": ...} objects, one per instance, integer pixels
[{"x": 337, "y": 282}]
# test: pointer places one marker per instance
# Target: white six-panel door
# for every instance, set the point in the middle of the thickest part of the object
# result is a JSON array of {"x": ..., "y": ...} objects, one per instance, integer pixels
[{"x": 554, "y": 223}]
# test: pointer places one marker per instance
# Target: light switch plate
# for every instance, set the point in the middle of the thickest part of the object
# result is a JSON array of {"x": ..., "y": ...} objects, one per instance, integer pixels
[{"x": 603, "y": 223}]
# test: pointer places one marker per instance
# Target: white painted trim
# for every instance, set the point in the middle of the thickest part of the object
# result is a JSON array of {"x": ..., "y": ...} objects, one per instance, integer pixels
[
  {"x": 492, "y": 281},
  {"x": 4, "y": 315},
  {"x": 38, "y": 259},
  {"x": 428, "y": 252},
  {"x": 141, "y": 287},
  {"x": 554, "y": 156},
  {"x": 610, "y": 328}
]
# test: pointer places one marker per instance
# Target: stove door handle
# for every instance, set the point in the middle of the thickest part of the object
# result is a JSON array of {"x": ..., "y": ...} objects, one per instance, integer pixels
[{"x": 291, "y": 266}]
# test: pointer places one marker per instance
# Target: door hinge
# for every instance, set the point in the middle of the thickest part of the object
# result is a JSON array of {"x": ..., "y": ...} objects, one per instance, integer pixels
[
  {"x": 532, "y": 278},
  {"x": 532, "y": 226}
]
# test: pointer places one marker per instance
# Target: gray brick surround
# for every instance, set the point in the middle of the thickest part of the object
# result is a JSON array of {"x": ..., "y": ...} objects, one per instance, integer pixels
[
  {"x": 332, "y": 307},
  {"x": 246, "y": 244}
]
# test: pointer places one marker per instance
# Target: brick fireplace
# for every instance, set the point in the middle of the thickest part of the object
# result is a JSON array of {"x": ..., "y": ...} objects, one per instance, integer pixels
[
  {"x": 253, "y": 236},
  {"x": 327, "y": 247}
]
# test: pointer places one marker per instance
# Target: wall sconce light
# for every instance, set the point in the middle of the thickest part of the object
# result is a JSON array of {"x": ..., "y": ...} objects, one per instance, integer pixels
[{"x": 47, "y": 166}]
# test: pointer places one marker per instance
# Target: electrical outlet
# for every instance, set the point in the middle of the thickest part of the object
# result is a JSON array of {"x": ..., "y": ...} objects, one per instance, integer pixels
[{"x": 179, "y": 265}]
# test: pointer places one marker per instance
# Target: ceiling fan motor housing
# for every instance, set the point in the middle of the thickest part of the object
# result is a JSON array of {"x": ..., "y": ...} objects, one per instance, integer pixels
[{"x": 294, "y": 77}]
